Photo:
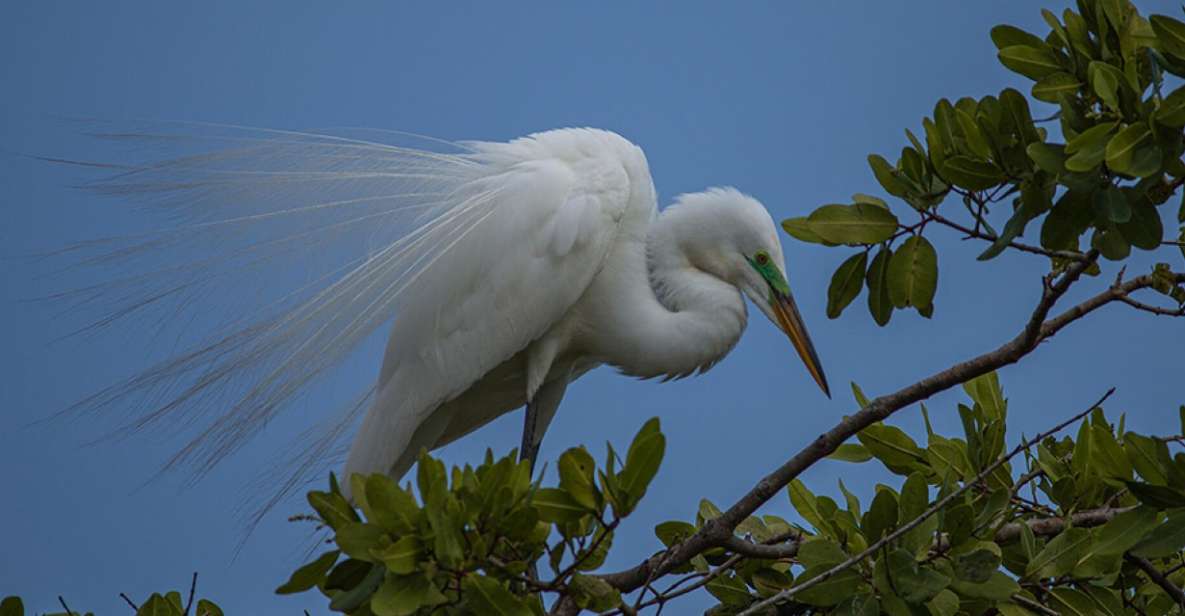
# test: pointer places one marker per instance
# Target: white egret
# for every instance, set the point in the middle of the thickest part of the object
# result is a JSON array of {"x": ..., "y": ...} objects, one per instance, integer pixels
[{"x": 509, "y": 269}]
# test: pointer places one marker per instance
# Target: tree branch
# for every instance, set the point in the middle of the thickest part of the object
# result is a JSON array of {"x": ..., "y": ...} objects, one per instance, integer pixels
[
  {"x": 1159, "y": 578},
  {"x": 1037, "y": 250},
  {"x": 760, "y": 550},
  {"x": 1052, "y": 526},
  {"x": 931, "y": 510},
  {"x": 718, "y": 530},
  {"x": 1167, "y": 312}
]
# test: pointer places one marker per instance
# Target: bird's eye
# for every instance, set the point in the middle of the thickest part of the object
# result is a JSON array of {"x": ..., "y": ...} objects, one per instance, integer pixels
[{"x": 762, "y": 258}]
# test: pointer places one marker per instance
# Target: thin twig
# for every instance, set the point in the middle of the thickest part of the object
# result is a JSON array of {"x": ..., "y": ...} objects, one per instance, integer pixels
[
  {"x": 975, "y": 233},
  {"x": 1159, "y": 578},
  {"x": 931, "y": 510},
  {"x": 1033, "y": 605},
  {"x": 192, "y": 589},
  {"x": 129, "y": 601},
  {"x": 65, "y": 607},
  {"x": 1167, "y": 312}
]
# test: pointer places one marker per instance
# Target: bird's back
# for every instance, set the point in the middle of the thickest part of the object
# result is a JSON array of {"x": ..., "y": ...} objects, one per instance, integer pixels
[{"x": 543, "y": 214}]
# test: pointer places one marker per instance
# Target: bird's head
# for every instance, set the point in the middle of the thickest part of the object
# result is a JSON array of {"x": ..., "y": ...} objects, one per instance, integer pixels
[{"x": 735, "y": 239}]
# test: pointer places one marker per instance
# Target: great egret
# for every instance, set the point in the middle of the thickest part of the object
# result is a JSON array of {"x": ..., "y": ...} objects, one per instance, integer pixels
[{"x": 510, "y": 270}]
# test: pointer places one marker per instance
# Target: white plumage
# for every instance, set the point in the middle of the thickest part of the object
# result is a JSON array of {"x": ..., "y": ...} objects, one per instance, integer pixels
[{"x": 509, "y": 270}]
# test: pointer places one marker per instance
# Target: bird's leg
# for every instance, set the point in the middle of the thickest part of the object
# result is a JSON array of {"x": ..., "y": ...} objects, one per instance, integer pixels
[
  {"x": 541, "y": 409},
  {"x": 529, "y": 449}
]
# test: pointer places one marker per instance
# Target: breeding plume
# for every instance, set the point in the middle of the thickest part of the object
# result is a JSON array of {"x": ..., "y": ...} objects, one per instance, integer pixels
[{"x": 506, "y": 271}]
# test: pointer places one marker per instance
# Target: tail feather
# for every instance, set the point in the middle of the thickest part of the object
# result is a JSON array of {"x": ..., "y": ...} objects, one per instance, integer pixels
[{"x": 311, "y": 239}]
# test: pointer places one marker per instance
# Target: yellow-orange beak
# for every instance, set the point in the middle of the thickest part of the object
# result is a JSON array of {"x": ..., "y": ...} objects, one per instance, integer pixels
[{"x": 790, "y": 321}]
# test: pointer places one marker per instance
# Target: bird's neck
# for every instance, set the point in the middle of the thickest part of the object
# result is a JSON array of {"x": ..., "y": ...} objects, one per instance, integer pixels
[{"x": 682, "y": 319}]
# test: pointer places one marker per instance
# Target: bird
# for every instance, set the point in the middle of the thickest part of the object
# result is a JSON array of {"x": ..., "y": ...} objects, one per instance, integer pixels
[{"x": 505, "y": 271}]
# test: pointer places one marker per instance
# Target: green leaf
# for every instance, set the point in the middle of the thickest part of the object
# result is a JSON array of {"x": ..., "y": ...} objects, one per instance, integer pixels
[
  {"x": 557, "y": 506},
  {"x": 1070, "y": 602},
  {"x": 1160, "y": 497},
  {"x": 999, "y": 587},
  {"x": 820, "y": 551},
  {"x": 1123, "y": 145},
  {"x": 972, "y": 135},
  {"x": 485, "y": 595},
  {"x": 966, "y": 172},
  {"x": 404, "y": 595},
  {"x": 729, "y": 589},
  {"x": 309, "y": 575},
  {"x": 673, "y": 531},
  {"x": 985, "y": 390},
  {"x": 157, "y": 605},
  {"x": 1149, "y": 456},
  {"x": 887, "y": 176},
  {"x": 1146, "y": 161},
  {"x": 393, "y": 509},
  {"x": 1033, "y": 62},
  {"x": 1165, "y": 540},
  {"x": 858, "y": 605},
  {"x": 869, "y": 199},
  {"x": 1172, "y": 109},
  {"x": 1111, "y": 204},
  {"x": 851, "y": 452},
  {"x": 913, "y": 273},
  {"x": 1049, "y": 157},
  {"x": 977, "y": 565},
  {"x": 1170, "y": 33},
  {"x": 893, "y": 447},
  {"x": 859, "y": 223},
  {"x": 593, "y": 593},
  {"x": 1051, "y": 87},
  {"x": 1111, "y": 244},
  {"x": 12, "y": 606},
  {"x": 641, "y": 464},
  {"x": 1144, "y": 229},
  {"x": 879, "y": 303},
  {"x": 709, "y": 511},
  {"x": 1088, "y": 149},
  {"x": 806, "y": 504},
  {"x": 1104, "y": 80},
  {"x": 357, "y": 539},
  {"x": 577, "y": 477},
  {"x": 1061, "y": 554},
  {"x": 846, "y": 284},
  {"x": 1109, "y": 458},
  {"x": 800, "y": 229},
  {"x": 830, "y": 591},
  {"x": 592, "y": 557},
  {"x": 444, "y": 517},
  {"x": 1124, "y": 530},
  {"x": 851, "y": 500},
  {"x": 206, "y": 607},
  {"x": 945, "y": 603},
  {"x": 858, "y": 394},
  {"x": 947, "y": 456},
  {"x": 333, "y": 509},
  {"x": 912, "y": 582},
  {"x": 402, "y": 556},
  {"x": 1005, "y": 35},
  {"x": 431, "y": 477},
  {"x": 881, "y": 516}
]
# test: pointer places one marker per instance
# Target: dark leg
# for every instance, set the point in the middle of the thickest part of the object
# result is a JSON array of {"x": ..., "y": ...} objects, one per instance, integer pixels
[
  {"x": 540, "y": 410},
  {"x": 529, "y": 448}
]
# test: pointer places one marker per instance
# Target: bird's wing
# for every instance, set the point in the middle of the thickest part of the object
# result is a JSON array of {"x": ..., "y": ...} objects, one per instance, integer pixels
[
  {"x": 287, "y": 250},
  {"x": 556, "y": 201}
]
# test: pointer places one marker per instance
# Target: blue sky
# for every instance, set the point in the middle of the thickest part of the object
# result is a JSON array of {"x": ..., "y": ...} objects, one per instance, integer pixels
[{"x": 783, "y": 100}]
